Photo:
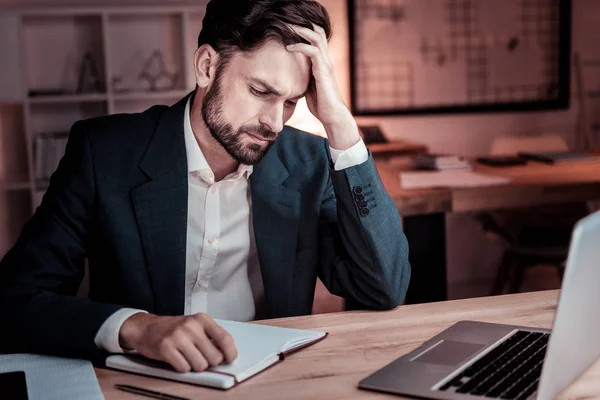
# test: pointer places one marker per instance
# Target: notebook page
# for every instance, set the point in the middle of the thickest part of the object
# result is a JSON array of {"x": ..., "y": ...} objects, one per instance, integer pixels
[
  {"x": 260, "y": 344},
  {"x": 299, "y": 342}
]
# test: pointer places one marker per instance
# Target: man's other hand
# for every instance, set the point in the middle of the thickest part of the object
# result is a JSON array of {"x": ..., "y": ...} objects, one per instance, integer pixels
[{"x": 187, "y": 343}]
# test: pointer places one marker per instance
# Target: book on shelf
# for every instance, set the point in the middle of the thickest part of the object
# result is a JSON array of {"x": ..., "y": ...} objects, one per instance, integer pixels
[
  {"x": 49, "y": 149},
  {"x": 259, "y": 347},
  {"x": 441, "y": 162}
]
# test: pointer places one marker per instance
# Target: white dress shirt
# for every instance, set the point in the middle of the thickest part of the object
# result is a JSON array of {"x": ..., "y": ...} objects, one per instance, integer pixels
[{"x": 222, "y": 273}]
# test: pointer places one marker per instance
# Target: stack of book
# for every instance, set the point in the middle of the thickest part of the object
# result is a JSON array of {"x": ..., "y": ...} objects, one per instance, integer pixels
[
  {"x": 49, "y": 149},
  {"x": 442, "y": 162}
]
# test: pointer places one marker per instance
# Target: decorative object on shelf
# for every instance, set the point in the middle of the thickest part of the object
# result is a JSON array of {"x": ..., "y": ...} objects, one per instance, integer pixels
[
  {"x": 89, "y": 80},
  {"x": 156, "y": 74},
  {"x": 126, "y": 80}
]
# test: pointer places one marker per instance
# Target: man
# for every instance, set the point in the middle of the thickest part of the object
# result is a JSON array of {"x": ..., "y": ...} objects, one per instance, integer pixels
[{"x": 210, "y": 208}]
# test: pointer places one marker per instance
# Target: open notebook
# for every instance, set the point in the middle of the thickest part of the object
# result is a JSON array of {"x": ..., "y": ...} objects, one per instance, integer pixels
[{"x": 259, "y": 347}]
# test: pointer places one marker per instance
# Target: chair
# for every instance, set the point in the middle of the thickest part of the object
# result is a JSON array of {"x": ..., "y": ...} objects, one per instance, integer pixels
[{"x": 530, "y": 236}]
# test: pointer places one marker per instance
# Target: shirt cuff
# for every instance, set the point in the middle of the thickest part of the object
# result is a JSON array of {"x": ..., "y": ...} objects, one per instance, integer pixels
[
  {"x": 351, "y": 157},
  {"x": 107, "y": 337}
]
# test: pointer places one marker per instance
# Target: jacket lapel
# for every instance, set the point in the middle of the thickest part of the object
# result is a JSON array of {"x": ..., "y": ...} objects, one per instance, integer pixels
[
  {"x": 275, "y": 214},
  {"x": 161, "y": 211}
]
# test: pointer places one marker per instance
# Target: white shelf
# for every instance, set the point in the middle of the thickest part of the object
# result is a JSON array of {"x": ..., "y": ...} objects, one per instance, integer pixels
[
  {"x": 10, "y": 187},
  {"x": 145, "y": 96},
  {"x": 99, "y": 50},
  {"x": 19, "y": 183},
  {"x": 69, "y": 98},
  {"x": 115, "y": 8}
]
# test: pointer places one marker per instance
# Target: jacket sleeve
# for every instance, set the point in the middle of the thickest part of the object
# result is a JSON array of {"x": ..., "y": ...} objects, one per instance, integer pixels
[
  {"x": 363, "y": 251},
  {"x": 41, "y": 274}
]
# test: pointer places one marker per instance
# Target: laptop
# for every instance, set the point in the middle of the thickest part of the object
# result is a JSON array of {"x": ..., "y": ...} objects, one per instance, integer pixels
[
  {"x": 372, "y": 134},
  {"x": 473, "y": 360}
]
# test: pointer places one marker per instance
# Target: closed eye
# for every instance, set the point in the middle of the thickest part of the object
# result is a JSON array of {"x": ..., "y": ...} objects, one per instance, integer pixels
[
  {"x": 258, "y": 93},
  {"x": 290, "y": 103}
]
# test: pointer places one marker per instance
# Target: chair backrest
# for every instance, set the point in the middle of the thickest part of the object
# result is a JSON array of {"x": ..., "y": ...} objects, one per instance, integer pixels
[{"x": 511, "y": 145}]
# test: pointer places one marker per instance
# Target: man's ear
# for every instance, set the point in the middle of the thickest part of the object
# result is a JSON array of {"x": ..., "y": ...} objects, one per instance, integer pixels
[{"x": 205, "y": 65}]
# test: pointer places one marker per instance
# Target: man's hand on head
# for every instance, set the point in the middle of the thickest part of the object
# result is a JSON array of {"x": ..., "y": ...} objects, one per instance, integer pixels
[
  {"x": 187, "y": 343},
  {"x": 324, "y": 98}
]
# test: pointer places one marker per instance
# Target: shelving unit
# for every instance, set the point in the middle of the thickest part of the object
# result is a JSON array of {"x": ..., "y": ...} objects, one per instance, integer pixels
[
  {"x": 88, "y": 61},
  {"x": 587, "y": 77}
]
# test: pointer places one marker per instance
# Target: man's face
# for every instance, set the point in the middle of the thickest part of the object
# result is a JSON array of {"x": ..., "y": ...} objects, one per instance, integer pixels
[{"x": 251, "y": 99}]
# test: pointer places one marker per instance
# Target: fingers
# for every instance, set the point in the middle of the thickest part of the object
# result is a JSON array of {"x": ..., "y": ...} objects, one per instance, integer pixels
[
  {"x": 307, "y": 49},
  {"x": 195, "y": 357},
  {"x": 189, "y": 343},
  {"x": 197, "y": 341},
  {"x": 314, "y": 37},
  {"x": 182, "y": 354},
  {"x": 221, "y": 338},
  {"x": 211, "y": 353},
  {"x": 189, "y": 347},
  {"x": 317, "y": 50},
  {"x": 320, "y": 31},
  {"x": 168, "y": 352}
]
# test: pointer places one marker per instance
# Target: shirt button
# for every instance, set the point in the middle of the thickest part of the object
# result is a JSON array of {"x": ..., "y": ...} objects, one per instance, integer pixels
[
  {"x": 214, "y": 190},
  {"x": 202, "y": 283},
  {"x": 212, "y": 240}
]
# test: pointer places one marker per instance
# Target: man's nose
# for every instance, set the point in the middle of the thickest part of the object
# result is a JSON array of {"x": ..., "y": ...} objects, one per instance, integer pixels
[{"x": 272, "y": 118}]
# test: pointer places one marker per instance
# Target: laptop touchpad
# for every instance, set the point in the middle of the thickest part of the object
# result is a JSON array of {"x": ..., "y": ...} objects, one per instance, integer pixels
[{"x": 448, "y": 352}]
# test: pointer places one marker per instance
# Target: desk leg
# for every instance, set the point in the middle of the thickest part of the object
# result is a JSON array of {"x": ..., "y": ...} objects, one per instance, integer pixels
[{"x": 426, "y": 236}]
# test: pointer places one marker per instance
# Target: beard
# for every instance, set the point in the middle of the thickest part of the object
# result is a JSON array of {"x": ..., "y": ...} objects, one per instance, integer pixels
[{"x": 230, "y": 139}]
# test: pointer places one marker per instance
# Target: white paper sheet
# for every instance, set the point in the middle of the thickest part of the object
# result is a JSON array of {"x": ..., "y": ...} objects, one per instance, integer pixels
[{"x": 54, "y": 378}]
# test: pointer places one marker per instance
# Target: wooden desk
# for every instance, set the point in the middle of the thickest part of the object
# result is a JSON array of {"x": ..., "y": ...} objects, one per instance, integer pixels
[
  {"x": 358, "y": 344},
  {"x": 423, "y": 211},
  {"x": 533, "y": 184}
]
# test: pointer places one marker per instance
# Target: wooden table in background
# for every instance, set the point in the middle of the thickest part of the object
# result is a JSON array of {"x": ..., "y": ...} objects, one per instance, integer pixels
[
  {"x": 382, "y": 151},
  {"x": 358, "y": 344},
  {"x": 423, "y": 211}
]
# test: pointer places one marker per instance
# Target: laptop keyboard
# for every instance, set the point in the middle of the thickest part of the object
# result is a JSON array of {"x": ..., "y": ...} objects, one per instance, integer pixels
[{"x": 510, "y": 371}]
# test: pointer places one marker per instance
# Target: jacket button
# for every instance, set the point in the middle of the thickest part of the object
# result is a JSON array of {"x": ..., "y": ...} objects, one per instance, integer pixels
[
  {"x": 364, "y": 211},
  {"x": 359, "y": 198},
  {"x": 362, "y": 204},
  {"x": 358, "y": 189}
]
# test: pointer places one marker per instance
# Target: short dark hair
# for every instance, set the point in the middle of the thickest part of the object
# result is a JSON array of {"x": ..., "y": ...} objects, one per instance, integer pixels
[{"x": 245, "y": 25}]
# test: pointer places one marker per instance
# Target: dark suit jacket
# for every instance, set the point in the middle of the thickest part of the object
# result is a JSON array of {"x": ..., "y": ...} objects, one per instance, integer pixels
[{"x": 119, "y": 199}]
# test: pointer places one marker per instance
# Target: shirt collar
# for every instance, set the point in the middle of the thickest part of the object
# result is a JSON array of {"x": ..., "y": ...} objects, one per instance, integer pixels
[{"x": 195, "y": 158}]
